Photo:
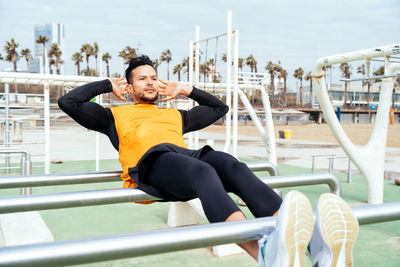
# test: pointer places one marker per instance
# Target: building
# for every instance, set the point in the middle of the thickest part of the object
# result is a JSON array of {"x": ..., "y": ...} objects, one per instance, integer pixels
[
  {"x": 357, "y": 95},
  {"x": 56, "y": 34}
]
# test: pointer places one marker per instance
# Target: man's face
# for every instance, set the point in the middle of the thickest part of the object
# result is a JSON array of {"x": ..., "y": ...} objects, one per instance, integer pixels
[{"x": 144, "y": 84}]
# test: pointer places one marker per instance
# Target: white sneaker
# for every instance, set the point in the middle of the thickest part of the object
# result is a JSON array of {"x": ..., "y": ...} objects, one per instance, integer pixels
[
  {"x": 335, "y": 233},
  {"x": 286, "y": 246}
]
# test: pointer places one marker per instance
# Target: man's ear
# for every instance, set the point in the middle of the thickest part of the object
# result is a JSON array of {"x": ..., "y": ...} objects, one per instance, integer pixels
[{"x": 129, "y": 88}]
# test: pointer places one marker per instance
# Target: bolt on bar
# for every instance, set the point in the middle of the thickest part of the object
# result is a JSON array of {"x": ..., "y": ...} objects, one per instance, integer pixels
[
  {"x": 94, "y": 177},
  {"x": 160, "y": 241},
  {"x": 123, "y": 195}
]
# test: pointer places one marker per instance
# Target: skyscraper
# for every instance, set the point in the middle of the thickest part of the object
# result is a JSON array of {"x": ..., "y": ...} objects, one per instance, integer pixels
[{"x": 55, "y": 33}]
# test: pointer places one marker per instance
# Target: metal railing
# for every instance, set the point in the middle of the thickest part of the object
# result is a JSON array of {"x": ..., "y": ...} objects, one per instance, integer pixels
[
  {"x": 122, "y": 195},
  {"x": 25, "y": 165},
  {"x": 95, "y": 177},
  {"x": 331, "y": 168},
  {"x": 160, "y": 241}
]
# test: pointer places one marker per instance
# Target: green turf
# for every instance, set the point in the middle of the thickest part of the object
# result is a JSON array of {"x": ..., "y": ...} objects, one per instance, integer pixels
[{"x": 377, "y": 244}]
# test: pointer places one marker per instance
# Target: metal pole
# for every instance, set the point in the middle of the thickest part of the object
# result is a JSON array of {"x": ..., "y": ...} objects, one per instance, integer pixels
[
  {"x": 190, "y": 70},
  {"x": 92, "y": 177},
  {"x": 7, "y": 137},
  {"x": 122, "y": 195},
  {"x": 197, "y": 79},
  {"x": 313, "y": 164},
  {"x": 331, "y": 164},
  {"x": 160, "y": 241},
  {"x": 46, "y": 120},
  {"x": 228, "y": 80},
  {"x": 235, "y": 93},
  {"x": 349, "y": 172}
]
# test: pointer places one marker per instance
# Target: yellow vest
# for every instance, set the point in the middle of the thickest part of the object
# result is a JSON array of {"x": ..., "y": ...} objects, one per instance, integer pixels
[{"x": 139, "y": 128}]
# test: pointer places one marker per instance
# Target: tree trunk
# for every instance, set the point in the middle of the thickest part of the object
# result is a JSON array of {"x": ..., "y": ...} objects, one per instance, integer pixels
[
  {"x": 345, "y": 94},
  {"x": 272, "y": 97},
  {"x": 284, "y": 90},
  {"x": 168, "y": 70},
  {"x": 108, "y": 70},
  {"x": 369, "y": 93},
  {"x": 311, "y": 96},
  {"x": 301, "y": 92},
  {"x": 179, "y": 76},
  {"x": 79, "y": 69}
]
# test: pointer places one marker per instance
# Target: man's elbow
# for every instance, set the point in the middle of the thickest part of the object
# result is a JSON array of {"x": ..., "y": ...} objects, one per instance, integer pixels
[
  {"x": 225, "y": 110},
  {"x": 62, "y": 103}
]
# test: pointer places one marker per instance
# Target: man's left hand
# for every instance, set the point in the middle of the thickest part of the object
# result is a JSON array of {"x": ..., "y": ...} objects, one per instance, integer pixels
[{"x": 172, "y": 89}]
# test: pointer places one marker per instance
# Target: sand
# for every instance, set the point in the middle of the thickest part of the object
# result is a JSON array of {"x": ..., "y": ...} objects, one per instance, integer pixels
[{"x": 358, "y": 133}]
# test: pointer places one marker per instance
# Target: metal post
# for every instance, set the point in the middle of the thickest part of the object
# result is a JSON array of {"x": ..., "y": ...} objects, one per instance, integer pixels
[
  {"x": 331, "y": 168},
  {"x": 7, "y": 137},
  {"x": 313, "y": 164},
  {"x": 349, "y": 172},
  {"x": 235, "y": 93},
  {"x": 228, "y": 80},
  {"x": 197, "y": 78},
  {"x": 190, "y": 70}
]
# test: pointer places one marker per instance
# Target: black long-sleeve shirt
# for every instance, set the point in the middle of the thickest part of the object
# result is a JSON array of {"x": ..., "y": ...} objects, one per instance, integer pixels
[{"x": 95, "y": 117}]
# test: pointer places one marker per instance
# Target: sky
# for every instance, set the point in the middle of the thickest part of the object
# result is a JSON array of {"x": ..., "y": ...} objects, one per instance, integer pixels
[{"x": 294, "y": 32}]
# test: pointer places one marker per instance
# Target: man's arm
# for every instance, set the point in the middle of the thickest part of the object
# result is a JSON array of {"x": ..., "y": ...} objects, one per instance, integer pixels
[
  {"x": 89, "y": 114},
  {"x": 210, "y": 109}
]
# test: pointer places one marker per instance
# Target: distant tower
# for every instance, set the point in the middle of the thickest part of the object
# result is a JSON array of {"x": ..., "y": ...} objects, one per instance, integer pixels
[{"x": 55, "y": 33}]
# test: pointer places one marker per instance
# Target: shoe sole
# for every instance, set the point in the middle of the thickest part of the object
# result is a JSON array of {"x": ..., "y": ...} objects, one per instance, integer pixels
[
  {"x": 339, "y": 228},
  {"x": 298, "y": 227}
]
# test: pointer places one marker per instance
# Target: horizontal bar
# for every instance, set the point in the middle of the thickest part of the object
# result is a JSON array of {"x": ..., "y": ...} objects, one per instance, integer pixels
[
  {"x": 370, "y": 78},
  {"x": 123, "y": 195},
  {"x": 94, "y": 177},
  {"x": 209, "y": 38},
  {"x": 120, "y": 246}
]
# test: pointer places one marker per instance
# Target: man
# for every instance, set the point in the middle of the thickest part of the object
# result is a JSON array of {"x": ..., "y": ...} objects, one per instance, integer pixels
[{"x": 155, "y": 159}]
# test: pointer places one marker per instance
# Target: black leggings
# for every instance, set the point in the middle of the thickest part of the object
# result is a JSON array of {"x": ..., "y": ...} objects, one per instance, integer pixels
[{"x": 210, "y": 178}]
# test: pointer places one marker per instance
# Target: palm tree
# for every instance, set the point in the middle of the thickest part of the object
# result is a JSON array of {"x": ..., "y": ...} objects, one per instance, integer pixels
[
  {"x": 177, "y": 69},
  {"x": 346, "y": 73},
  {"x": 96, "y": 54},
  {"x": 298, "y": 74},
  {"x": 272, "y": 69},
  {"x": 88, "y": 50},
  {"x": 204, "y": 68},
  {"x": 240, "y": 63},
  {"x": 1, "y": 57},
  {"x": 283, "y": 75},
  {"x": 77, "y": 58},
  {"x": 26, "y": 53},
  {"x": 308, "y": 77},
  {"x": 127, "y": 54},
  {"x": 185, "y": 63},
  {"x": 106, "y": 58},
  {"x": 166, "y": 55},
  {"x": 252, "y": 63},
  {"x": 56, "y": 52},
  {"x": 43, "y": 40},
  {"x": 156, "y": 64},
  {"x": 12, "y": 53}
]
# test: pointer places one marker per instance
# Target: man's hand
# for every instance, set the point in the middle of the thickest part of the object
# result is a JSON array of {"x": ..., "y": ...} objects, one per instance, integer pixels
[
  {"x": 119, "y": 86},
  {"x": 172, "y": 89}
]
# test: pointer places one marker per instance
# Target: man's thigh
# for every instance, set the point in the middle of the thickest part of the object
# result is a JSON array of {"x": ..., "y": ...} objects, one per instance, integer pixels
[{"x": 175, "y": 173}]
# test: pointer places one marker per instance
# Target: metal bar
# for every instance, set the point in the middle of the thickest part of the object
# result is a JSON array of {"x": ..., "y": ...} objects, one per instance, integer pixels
[
  {"x": 94, "y": 177},
  {"x": 122, "y": 195},
  {"x": 120, "y": 246},
  {"x": 210, "y": 38},
  {"x": 370, "y": 78}
]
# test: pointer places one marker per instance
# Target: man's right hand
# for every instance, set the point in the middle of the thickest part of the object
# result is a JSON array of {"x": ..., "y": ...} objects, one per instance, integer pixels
[{"x": 119, "y": 86}]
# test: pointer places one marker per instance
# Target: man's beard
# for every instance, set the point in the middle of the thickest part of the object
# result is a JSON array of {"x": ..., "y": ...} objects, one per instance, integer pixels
[{"x": 148, "y": 99}]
